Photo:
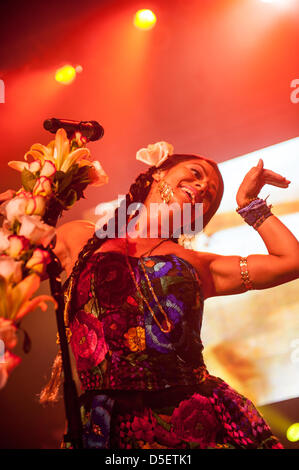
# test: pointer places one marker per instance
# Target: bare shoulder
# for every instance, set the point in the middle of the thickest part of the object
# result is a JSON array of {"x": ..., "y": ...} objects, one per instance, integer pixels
[
  {"x": 81, "y": 228},
  {"x": 201, "y": 261},
  {"x": 70, "y": 239}
]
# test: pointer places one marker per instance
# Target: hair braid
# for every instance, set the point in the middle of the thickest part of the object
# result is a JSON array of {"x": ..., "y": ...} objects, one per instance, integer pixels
[{"x": 137, "y": 193}]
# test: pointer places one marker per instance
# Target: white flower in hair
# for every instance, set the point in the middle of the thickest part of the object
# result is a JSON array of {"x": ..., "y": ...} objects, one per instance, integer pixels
[{"x": 155, "y": 154}]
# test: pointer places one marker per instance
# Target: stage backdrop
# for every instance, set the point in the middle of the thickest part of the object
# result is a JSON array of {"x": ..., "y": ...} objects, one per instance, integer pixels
[{"x": 252, "y": 340}]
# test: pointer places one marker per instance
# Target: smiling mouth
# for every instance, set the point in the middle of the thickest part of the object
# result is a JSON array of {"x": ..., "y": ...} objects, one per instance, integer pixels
[{"x": 191, "y": 193}]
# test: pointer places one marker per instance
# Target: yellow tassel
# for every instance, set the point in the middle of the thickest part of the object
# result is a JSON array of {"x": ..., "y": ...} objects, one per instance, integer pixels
[{"x": 50, "y": 393}]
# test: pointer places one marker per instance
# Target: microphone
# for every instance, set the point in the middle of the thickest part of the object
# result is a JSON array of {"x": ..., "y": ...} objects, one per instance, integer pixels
[{"x": 92, "y": 130}]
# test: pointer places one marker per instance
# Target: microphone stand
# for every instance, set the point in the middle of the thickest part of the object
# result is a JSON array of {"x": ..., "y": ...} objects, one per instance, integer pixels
[{"x": 71, "y": 402}]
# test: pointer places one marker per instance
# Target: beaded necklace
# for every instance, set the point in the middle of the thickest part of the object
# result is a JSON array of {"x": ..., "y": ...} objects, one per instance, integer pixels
[{"x": 168, "y": 322}]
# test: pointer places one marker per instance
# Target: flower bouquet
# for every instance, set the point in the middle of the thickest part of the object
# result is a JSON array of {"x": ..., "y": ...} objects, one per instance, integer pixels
[{"x": 53, "y": 178}]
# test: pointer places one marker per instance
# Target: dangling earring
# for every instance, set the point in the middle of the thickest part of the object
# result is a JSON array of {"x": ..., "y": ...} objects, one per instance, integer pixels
[{"x": 165, "y": 190}]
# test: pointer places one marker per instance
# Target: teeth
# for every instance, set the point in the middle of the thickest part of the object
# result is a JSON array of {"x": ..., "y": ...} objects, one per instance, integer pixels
[{"x": 190, "y": 193}]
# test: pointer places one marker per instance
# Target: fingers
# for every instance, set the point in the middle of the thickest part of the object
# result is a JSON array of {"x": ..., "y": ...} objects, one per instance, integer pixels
[
  {"x": 278, "y": 183},
  {"x": 260, "y": 164},
  {"x": 269, "y": 174}
]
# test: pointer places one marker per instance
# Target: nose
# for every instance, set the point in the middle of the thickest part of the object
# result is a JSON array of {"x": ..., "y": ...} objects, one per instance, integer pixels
[{"x": 202, "y": 186}]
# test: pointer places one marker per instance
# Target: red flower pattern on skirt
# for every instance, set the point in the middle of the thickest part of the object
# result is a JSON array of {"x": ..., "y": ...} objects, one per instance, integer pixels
[
  {"x": 195, "y": 420},
  {"x": 87, "y": 340}
]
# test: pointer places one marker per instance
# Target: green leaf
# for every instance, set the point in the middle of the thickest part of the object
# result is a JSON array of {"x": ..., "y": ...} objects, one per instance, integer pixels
[
  {"x": 71, "y": 198},
  {"x": 65, "y": 182},
  {"x": 195, "y": 445},
  {"x": 59, "y": 175},
  {"x": 162, "y": 423},
  {"x": 28, "y": 180},
  {"x": 16, "y": 226}
]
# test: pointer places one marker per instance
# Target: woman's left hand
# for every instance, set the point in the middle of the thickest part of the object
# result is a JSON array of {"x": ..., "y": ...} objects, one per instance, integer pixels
[{"x": 255, "y": 179}]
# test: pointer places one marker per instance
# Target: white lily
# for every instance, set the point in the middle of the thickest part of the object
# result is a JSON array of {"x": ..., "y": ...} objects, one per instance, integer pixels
[
  {"x": 97, "y": 175},
  {"x": 58, "y": 152}
]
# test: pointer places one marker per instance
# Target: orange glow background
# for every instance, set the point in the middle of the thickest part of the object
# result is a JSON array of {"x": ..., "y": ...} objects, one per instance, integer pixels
[{"x": 212, "y": 77}]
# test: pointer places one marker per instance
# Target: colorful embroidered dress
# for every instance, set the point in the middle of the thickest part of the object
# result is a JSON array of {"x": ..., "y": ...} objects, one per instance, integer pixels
[{"x": 144, "y": 387}]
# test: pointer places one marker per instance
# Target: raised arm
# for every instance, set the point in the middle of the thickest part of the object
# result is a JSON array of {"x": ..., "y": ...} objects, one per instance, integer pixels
[{"x": 279, "y": 266}]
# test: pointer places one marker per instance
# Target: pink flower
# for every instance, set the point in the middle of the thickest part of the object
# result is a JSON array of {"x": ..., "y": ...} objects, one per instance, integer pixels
[
  {"x": 24, "y": 203},
  {"x": 34, "y": 166},
  {"x": 155, "y": 154},
  {"x": 38, "y": 261},
  {"x": 14, "y": 208},
  {"x": 42, "y": 186},
  {"x": 143, "y": 428},
  {"x": 36, "y": 205},
  {"x": 10, "y": 269},
  {"x": 10, "y": 362},
  {"x": 8, "y": 333},
  {"x": 87, "y": 340},
  {"x": 4, "y": 242},
  {"x": 195, "y": 420},
  {"x": 48, "y": 169},
  {"x": 33, "y": 228},
  {"x": 149, "y": 430},
  {"x": 17, "y": 244}
]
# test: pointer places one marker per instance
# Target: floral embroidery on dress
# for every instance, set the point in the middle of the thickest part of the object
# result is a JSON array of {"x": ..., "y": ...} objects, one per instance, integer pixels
[
  {"x": 150, "y": 389},
  {"x": 87, "y": 341}
]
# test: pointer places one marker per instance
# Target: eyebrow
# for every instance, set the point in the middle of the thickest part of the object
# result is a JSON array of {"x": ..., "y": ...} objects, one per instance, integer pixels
[
  {"x": 201, "y": 166},
  {"x": 212, "y": 184}
]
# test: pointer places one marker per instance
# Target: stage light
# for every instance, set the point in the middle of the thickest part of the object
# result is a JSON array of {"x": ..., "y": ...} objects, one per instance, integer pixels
[
  {"x": 145, "y": 19},
  {"x": 65, "y": 74},
  {"x": 293, "y": 432},
  {"x": 79, "y": 68}
]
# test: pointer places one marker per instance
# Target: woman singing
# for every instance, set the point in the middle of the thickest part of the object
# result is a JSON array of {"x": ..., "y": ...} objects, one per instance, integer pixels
[{"x": 134, "y": 312}]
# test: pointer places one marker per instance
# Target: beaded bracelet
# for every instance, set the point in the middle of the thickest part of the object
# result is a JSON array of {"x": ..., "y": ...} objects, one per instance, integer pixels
[
  {"x": 256, "y": 212},
  {"x": 245, "y": 274},
  {"x": 260, "y": 221},
  {"x": 244, "y": 205}
]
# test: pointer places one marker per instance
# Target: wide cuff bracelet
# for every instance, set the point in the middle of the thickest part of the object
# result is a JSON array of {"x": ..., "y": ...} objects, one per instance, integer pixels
[{"x": 256, "y": 212}]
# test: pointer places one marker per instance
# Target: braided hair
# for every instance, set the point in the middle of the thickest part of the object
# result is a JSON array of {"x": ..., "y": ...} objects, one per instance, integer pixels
[{"x": 137, "y": 193}]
